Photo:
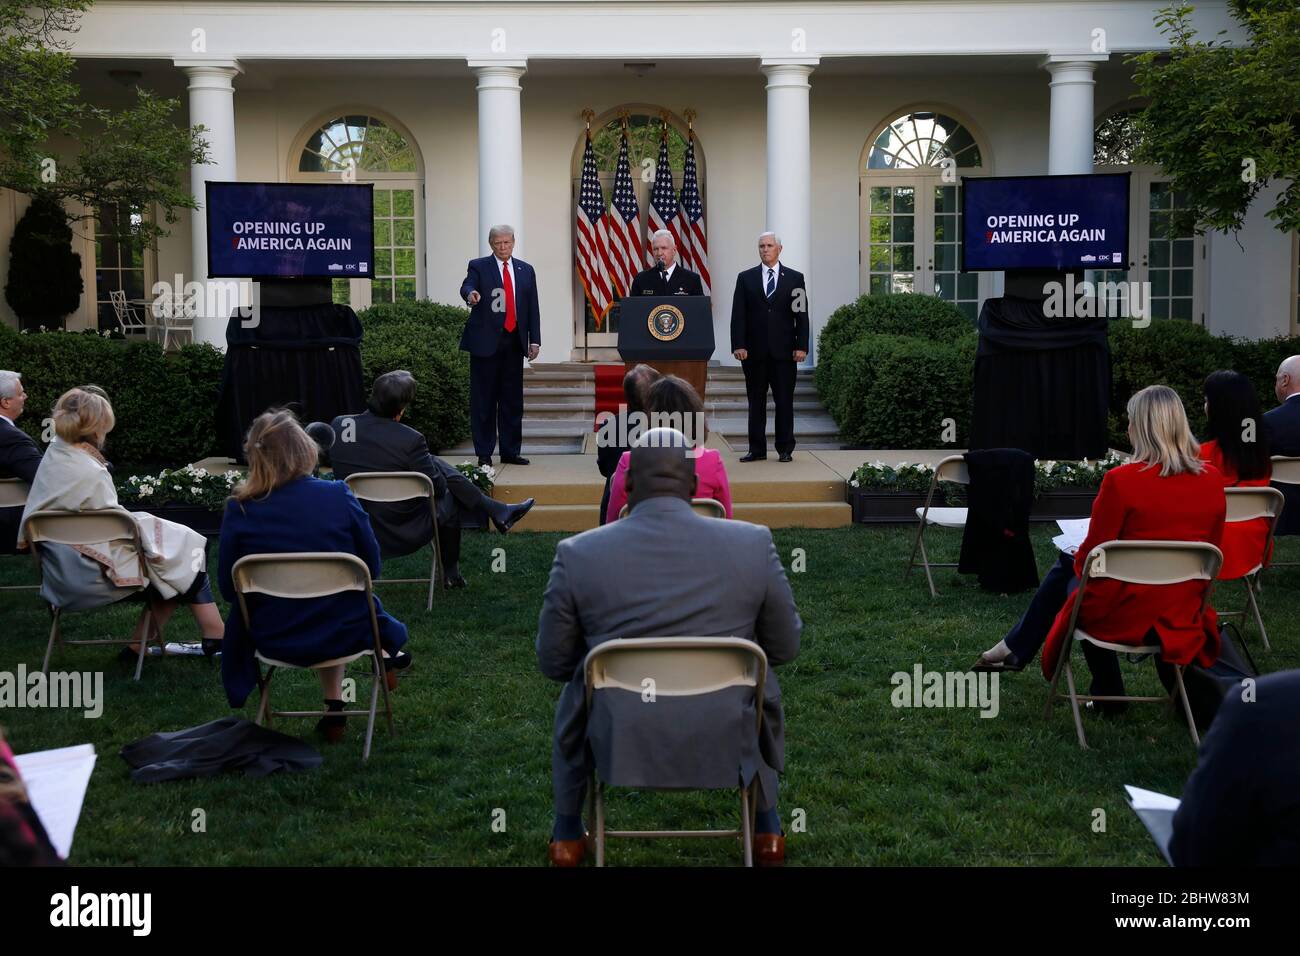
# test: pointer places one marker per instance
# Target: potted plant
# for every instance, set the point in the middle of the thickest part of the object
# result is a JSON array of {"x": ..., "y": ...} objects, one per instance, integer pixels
[
  {"x": 881, "y": 493},
  {"x": 190, "y": 496}
]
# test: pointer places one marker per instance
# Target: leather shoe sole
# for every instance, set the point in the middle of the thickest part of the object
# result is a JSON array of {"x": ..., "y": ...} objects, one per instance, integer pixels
[{"x": 568, "y": 853}]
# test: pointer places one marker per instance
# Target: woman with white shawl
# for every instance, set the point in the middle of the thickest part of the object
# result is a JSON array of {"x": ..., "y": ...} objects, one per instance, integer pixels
[{"x": 73, "y": 476}]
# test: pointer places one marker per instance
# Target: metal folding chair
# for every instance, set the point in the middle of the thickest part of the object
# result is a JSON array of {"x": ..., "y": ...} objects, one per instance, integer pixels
[
  {"x": 679, "y": 667},
  {"x": 953, "y": 469},
  {"x": 308, "y": 576},
  {"x": 92, "y": 528},
  {"x": 708, "y": 507},
  {"x": 1250, "y": 504},
  {"x": 392, "y": 486},
  {"x": 13, "y": 494},
  {"x": 1286, "y": 471},
  {"x": 1157, "y": 563}
]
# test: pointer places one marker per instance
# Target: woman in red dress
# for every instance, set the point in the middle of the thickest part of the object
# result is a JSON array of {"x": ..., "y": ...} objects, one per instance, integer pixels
[
  {"x": 1166, "y": 493},
  {"x": 1237, "y": 445}
]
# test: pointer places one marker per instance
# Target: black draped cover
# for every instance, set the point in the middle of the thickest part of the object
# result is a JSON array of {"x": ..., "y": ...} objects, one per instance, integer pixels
[
  {"x": 307, "y": 357},
  {"x": 1041, "y": 384}
]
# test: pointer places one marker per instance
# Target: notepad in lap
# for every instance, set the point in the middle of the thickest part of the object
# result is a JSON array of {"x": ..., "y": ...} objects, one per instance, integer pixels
[
  {"x": 1073, "y": 533},
  {"x": 56, "y": 782},
  {"x": 1156, "y": 811}
]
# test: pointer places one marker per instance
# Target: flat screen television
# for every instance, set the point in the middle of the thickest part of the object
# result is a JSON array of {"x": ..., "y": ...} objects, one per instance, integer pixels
[
  {"x": 1050, "y": 223},
  {"x": 290, "y": 230}
]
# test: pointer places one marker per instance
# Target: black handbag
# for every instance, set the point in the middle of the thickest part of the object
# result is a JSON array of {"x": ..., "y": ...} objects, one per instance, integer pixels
[{"x": 1207, "y": 686}]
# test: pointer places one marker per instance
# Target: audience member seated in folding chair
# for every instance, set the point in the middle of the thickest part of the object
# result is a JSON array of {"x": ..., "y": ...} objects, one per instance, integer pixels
[
  {"x": 1240, "y": 453},
  {"x": 1166, "y": 493},
  {"x": 1283, "y": 426},
  {"x": 376, "y": 440},
  {"x": 19, "y": 456},
  {"x": 665, "y": 570},
  {"x": 74, "y": 477},
  {"x": 280, "y": 507},
  {"x": 1241, "y": 806},
  {"x": 674, "y": 401}
]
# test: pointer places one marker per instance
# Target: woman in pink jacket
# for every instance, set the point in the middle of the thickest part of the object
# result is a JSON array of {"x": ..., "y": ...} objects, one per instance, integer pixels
[{"x": 673, "y": 403}]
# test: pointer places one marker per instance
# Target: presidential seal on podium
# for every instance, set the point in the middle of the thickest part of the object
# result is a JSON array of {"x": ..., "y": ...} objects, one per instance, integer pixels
[{"x": 666, "y": 322}]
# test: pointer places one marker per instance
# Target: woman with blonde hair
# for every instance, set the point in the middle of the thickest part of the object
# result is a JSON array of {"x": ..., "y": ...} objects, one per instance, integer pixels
[
  {"x": 74, "y": 476},
  {"x": 1165, "y": 493},
  {"x": 282, "y": 507}
]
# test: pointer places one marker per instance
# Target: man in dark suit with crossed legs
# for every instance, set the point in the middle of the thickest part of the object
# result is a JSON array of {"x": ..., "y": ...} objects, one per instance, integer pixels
[
  {"x": 504, "y": 325},
  {"x": 769, "y": 335}
]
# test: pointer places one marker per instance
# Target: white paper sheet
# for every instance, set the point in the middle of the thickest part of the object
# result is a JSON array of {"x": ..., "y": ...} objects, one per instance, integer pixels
[
  {"x": 56, "y": 782},
  {"x": 1073, "y": 533},
  {"x": 1150, "y": 800}
]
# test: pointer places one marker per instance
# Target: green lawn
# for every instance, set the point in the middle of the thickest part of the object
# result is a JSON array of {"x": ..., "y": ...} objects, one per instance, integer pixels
[{"x": 877, "y": 785}]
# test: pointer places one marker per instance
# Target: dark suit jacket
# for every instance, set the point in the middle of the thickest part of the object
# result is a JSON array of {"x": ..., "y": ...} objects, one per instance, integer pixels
[
  {"x": 19, "y": 458},
  {"x": 483, "y": 328},
  {"x": 682, "y": 282},
  {"x": 770, "y": 328},
  {"x": 382, "y": 444},
  {"x": 1241, "y": 806},
  {"x": 1283, "y": 426}
]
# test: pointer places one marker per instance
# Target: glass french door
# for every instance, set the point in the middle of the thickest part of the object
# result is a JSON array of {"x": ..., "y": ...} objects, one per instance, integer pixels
[
  {"x": 912, "y": 240},
  {"x": 1173, "y": 265},
  {"x": 399, "y": 249}
]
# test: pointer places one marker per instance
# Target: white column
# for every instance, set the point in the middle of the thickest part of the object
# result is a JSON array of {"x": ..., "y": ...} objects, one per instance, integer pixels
[
  {"x": 212, "y": 105},
  {"x": 500, "y": 148},
  {"x": 1072, "y": 117},
  {"x": 789, "y": 165}
]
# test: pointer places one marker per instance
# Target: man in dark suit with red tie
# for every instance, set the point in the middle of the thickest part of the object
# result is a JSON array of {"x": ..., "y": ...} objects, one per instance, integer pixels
[
  {"x": 504, "y": 325},
  {"x": 769, "y": 335}
]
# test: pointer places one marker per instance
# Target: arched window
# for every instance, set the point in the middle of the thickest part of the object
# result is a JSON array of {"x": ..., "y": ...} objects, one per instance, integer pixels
[
  {"x": 645, "y": 124},
  {"x": 911, "y": 208},
  {"x": 1116, "y": 138},
  {"x": 375, "y": 150}
]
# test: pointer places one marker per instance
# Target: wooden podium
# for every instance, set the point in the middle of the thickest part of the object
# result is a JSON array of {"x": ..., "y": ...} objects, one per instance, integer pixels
[{"x": 671, "y": 333}]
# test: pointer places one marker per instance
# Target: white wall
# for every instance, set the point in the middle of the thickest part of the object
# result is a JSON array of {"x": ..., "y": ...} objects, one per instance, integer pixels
[{"x": 1250, "y": 276}]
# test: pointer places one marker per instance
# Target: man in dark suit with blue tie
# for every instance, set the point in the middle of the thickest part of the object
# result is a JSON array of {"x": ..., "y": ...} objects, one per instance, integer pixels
[
  {"x": 504, "y": 325},
  {"x": 769, "y": 335},
  {"x": 1283, "y": 426},
  {"x": 19, "y": 455}
]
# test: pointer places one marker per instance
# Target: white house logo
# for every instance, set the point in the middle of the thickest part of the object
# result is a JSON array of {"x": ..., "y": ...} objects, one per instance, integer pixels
[
  {"x": 335, "y": 267},
  {"x": 77, "y": 909},
  {"x": 1087, "y": 258}
]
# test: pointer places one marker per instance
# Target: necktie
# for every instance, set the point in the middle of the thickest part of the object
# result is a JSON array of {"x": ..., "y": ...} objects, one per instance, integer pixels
[
  {"x": 509, "y": 286},
  {"x": 771, "y": 283}
]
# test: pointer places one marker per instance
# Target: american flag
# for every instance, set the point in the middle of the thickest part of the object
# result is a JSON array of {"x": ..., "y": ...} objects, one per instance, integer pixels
[
  {"x": 663, "y": 201},
  {"x": 593, "y": 260},
  {"x": 692, "y": 243},
  {"x": 624, "y": 226}
]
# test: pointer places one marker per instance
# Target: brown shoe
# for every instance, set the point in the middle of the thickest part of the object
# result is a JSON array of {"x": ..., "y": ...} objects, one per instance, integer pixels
[
  {"x": 567, "y": 853},
  {"x": 769, "y": 849}
]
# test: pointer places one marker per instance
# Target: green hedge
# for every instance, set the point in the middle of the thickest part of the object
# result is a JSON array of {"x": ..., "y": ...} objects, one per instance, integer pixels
[
  {"x": 166, "y": 404},
  {"x": 423, "y": 338},
  {"x": 891, "y": 368}
]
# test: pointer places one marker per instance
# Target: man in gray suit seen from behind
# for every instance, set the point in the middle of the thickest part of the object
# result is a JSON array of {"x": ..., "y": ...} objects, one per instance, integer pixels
[{"x": 665, "y": 571}]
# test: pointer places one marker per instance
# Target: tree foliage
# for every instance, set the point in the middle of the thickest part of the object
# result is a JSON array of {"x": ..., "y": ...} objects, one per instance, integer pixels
[{"x": 1223, "y": 120}]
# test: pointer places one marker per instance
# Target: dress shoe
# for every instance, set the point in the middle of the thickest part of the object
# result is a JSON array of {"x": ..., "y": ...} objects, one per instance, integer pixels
[
  {"x": 568, "y": 853},
  {"x": 332, "y": 726},
  {"x": 769, "y": 849},
  {"x": 752, "y": 457},
  {"x": 513, "y": 460},
  {"x": 486, "y": 462},
  {"x": 786, "y": 456},
  {"x": 513, "y": 515},
  {"x": 454, "y": 579}
]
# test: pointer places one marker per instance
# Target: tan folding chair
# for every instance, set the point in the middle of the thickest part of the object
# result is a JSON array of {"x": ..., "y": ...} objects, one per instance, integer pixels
[
  {"x": 1286, "y": 471},
  {"x": 679, "y": 667},
  {"x": 13, "y": 494},
  {"x": 1158, "y": 563},
  {"x": 953, "y": 469},
  {"x": 1249, "y": 504},
  {"x": 391, "y": 486},
  {"x": 308, "y": 576},
  {"x": 91, "y": 528},
  {"x": 708, "y": 507}
]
